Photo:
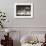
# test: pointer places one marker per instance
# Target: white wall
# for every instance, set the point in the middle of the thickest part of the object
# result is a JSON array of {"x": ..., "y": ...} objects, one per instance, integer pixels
[{"x": 39, "y": 13}]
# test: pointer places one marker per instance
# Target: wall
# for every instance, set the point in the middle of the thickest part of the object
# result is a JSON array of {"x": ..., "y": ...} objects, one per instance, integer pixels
[{"x": 39, "y": 13}]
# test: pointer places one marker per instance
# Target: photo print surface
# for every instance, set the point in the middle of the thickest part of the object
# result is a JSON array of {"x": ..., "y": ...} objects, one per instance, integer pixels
[{"x": 23, "y": 10}]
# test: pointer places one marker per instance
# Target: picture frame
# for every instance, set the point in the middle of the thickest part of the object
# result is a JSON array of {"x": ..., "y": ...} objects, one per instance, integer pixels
[{"x": 23, "y": 10}]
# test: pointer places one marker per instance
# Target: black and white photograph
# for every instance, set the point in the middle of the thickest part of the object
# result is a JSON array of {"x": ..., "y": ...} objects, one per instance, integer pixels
[{"x": 23, "y": 10}]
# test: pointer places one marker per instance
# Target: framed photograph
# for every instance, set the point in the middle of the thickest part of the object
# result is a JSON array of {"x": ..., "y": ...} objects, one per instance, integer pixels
[{"x": 23, "y": 10}]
